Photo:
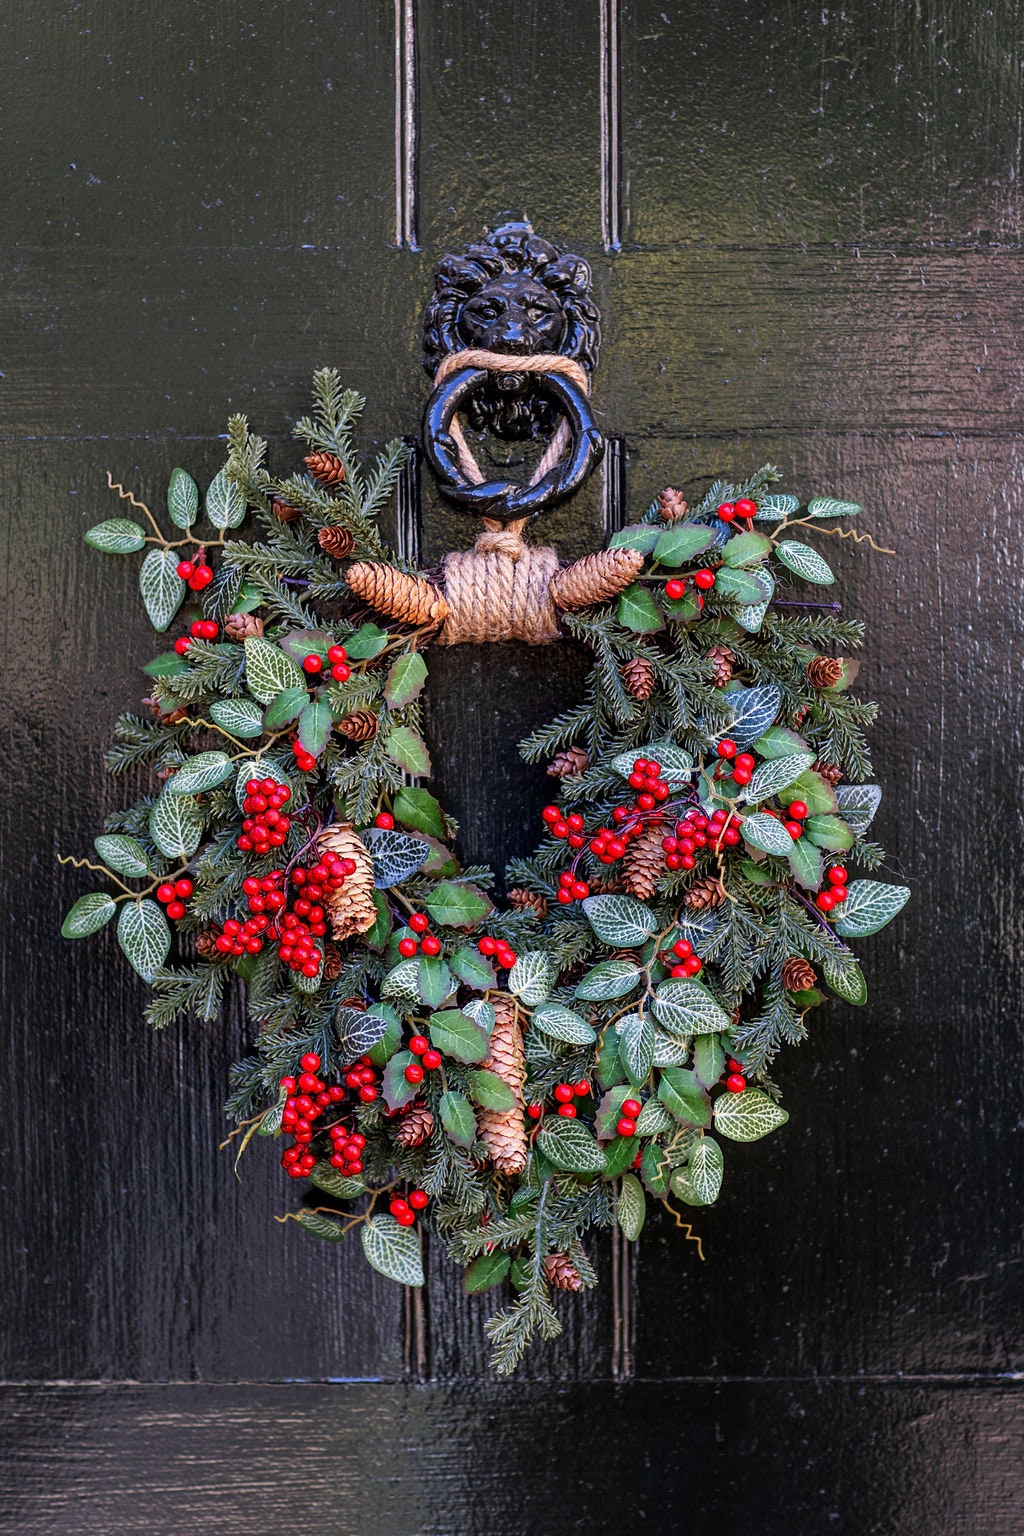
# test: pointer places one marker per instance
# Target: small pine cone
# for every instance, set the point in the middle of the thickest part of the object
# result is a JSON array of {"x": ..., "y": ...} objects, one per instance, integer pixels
[
  {"x": 644, "y": 863},
  {"x": 798, "y": 975},
  {"x": 242, "y": 626},
  {"x": 166, "y": 717},
  {"x": 704, "y": 894},
  {"x": 524, "y": 900},
  {"x": 336, "y": 542},
  {"x": 416, "y": 1127},
  {"x": 206, "y": 944},
  {"x": 283, "y": 510},
  {"x": 595, "y": 578},
  {"x": 325, "y": 467},
  {"x": 671, "y": 506},
  {"x": 350, "y": 909},
  {"x": 163, "y": 774},
  {"x": 503, "y": 1131},
  {"x": 824, "y": 671},
  {"x": 561, "y": 1273},
  {"x": 357, "y": 1004},
  {"x": 360, "y": 725},
  {"x": 624, "y": 954},
  {"x": 570, "y": 763},
  {"x": 411, "y": 599},
  {"x": 723, "y": 664},
  {"x": 800, "y": 716},
  {"x": 332, "y": 967},
  {"x": 830, "y": 772},
  {"x": 638, "y": 676}
]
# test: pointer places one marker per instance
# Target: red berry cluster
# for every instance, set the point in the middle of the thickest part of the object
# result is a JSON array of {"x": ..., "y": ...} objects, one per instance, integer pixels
[
  {"x": 796, "y": 814},
  {"x": 337, "y": 657},
  {"x": 696, "y": 831},
  {"x": 627, "y": 1123},
  {"x": 743, "y": 763},
  {"x": 196, "y": 572},
  {"x": 497, "y": 949},
  {"x": 419, "y": 939},
  {"x": 682, "y": 961},
  {"x": 734, "y": 1080},
  {"x": 835, "y": 893},
  {"x": 173, "y": 897},
  {"x": 703, "y": 580},
  {"x": 404, "y": 1210},
  {"x": 429, "y": 1059},
  {"x": 733, "y": 509},
  {"x": 265, "y": 826},
  {"x": 293, "y": 919},
  {"x": 570, "y": 888},
  {"x": 567, "y": 828},
  {"x": 308, "y": 1097},
  {"x": 564, "y": 1094},
  {"x": 201, "y": 629}
]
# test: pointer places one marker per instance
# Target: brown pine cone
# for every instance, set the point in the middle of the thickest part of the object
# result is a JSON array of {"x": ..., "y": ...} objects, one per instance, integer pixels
[
  {"x": 671, "y": 506},
  {"x": 360, "y": 725},
  {"x": 163, "y": 774},
  {"x": 561, "y": 1273},
  {"x": 350, "y": 909},
  {"x": 336, "y": 542},
  {"x": 723, "y": 664},
  {"x": 410, "y": 599},
  {"x": 416, "y": 1126},
  {"x": 503, "y": 1131},
  {"x": 283, "y": 510},
  {"x": 704, "y": 894},
  {"x": 644, "y": 863},
  {"x": 325, "y": 467},
  {"x": 638, "y": 676},
  {"x": 357, "y": 1004},
  {"x": 824, "y": 671},
  {"x": 332, "y": 966},
  {"x": 798, "y": 974},
  {"x": 830, "y": 772},
  {"x": 166, "y": 717},
  {"x": 570, "y": 763},
  {"x": 595, "y": 578},
  {"x": 800, "y": 716},
  {"x": 242, "y": 626},
  {"x": 206, "y": 944},
  {"x": 523, "y": 900}
]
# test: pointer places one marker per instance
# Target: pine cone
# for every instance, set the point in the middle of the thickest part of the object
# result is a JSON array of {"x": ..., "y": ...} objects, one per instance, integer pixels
[
  {"x": 638, "y": 676},
  {"x": 798, "y": 975},
  {"x": 410, "y": 599},
  {"x": 349, "y": 909},
  {"x": 824, "y": 671},
  {"x": 524, "y": 900},
  {"x": 800, "y": 716},
  {"x": 242, "y": 626},
  {"x": 206, "y": 944},
  {"x": 163, "y": 774},
  {"x": 830, "y": 772},
  {"x": 671, "y": 506},
  {"x": 360, "y": 725},
  {"x": 283, "y": 510},
  {"x": 357, "y": 1004},
  {"x": 166, "y": 717},
  {"x": 644, "y": 863},
  {"x": 503, "y": 1131},
  {"x": 723, "y": 664},
  {"x": 332, "y": 966},
  {"x": 570, "y": 763},
  {"x": 595, "y": 578},
  {"x": 704, "y": 894},
  {"x": 336, "y": 542},
  {"x": 561, "y": 1273},
  {"x": 416, "y": 1127},
  {"x": 325, "y": 467}
]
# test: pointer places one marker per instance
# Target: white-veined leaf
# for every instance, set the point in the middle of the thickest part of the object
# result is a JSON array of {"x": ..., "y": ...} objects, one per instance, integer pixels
[
  {"x": 676, "y": 765},
  {"x": 182, "y": 499},
  {"x": 775, "y": 507},
  {"x": 239, "y": 716},
  {"x": 117, "y": 536},
  {"x": 858, "y": 804},
  {"x": 89, "y": 913},
  {"x": 754, "y": 710},
  {"x": 705, "y": 1169},
  {"x": 144, "y": 935},
  {"x": 393, "y": 1251},
  {"x": 532, "y": 976},
  {"x": 125, "y": 855},
  {"x": 631, "y": 1207},
  {"x": 201, "y": 773},
  {"x": 805, "y": 561},
  {"x": 869, "y": 905},
  {"x": 395, "y": 855},
  {"x": 686, "y": 1008},
  {"x": 747, "y": 1116},
  {"x": 225, "y": 502},
  {"x": 830, "y": 506},
  {"x": 845, "y": 978},
  {"x": 772, "y": 777},
  {"x": 176, "y": 824},
  {"x": 563, "y": 1024},
  {"x": 569, "y": 1145},
  {"x": 358, "y": 1032},
  {"x": 161, "y": 587},
  {"x": 636, "y": 1047},
  {"x": 612, "y": 978},
  {"x": 766, "y": 833},
  {"x": 621, "y": 921},
  {"x": 269, "y": 670}
]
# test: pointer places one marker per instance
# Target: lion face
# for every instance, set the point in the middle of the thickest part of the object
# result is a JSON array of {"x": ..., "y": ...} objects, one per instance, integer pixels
[{"x": 513, "y": 313}]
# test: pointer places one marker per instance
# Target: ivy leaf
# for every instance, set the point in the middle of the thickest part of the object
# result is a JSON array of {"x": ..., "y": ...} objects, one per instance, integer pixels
[
  {"x": 225, "y": 502},
  {"x": 458, "y": 906},
  {"x": 407, "y": 748},
  {"x": 117, "y": 536},
  {"x": 489, "y": 1090},
  {"x": 417, "y": 809},
  {"x": 708, "y": 1059},
  {"x": 636, "y": 1047},
  {"x": 365, "y": 643},
  {"x": 284, "y": 707},
  {"x": 816, "y": 793},
  {"x": 641, "y": 536},
  {"x": 637, "y": 611},
  {"x": 705, "y": 1169},
  {"x": 315, "y": 724},
  {"x": 746, "y": 549},
  {"x": 766, "y": 833},
  {"x": 772, "y": 777},
  {"x": 569, "y": 1145},
  {"x": 686, "y": 1008},
  {"x": 454, "y": 1034},
  {"x": 300, "y": 643},
  {"x": 684, "y": 1096},
  {"x": 395, "y": 856},
  {"x": 532, "y": 976},
  {"x": 182, "y": 499},
  {"x": 830, "y": 506},
  {"x": 167, "y": 664},
  {"x": 435, "y": 980},
  {"x": 562, "y": 1024},
  {"x": 631, "y": 1207},
  {"x": 201, "y": 773},
  {"x": 868, "y": 907},
  {"x": 682, "y": 542},
  {"x": 175, "y": 824},
  {"x": 805, "y": 562},
  {"x": 144, "y": 935},
  {"x": 124, "y": 855},
  {"x": 269, "y": 671},
  {"x": 747, "y": 1116},
  {"x": 397, "y": 1090},
  {"x": 806, "y": 863},
  {"x": 829, "y": 832},
  {"x": 846, "y": 979},
  {"x": 357, "y": 1032},
  {"x": 621, "y": 921},
  {"x": 239, "y": 716},
  {"x": 858, "y": 803},
  {"x": 161, "y": 587},
  {"x": 486, "y": 1272},
  {"x": 457, "y": 1118},
  {"x": 612, "y": 978},
  {"x": 753, "y": 709},
  {"x": 89, "y": 913},
  {"x": 775, "y": 507},
  {"x": 405, "y": 680},
  {"x": 471, "y": 967},
  {"x": 391, "y": 1250},
  {"x": 740, "y": 586}
]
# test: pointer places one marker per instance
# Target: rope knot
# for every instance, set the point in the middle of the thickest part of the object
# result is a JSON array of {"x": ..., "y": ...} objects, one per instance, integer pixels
[{"x": 500, "y": 539}]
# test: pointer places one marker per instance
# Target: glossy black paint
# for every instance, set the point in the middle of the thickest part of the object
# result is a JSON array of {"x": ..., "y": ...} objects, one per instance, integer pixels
[{"x": 820, "y": 222}]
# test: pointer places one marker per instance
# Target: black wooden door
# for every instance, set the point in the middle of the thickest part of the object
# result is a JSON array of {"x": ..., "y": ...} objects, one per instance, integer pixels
[{"x": 805, "y": 225}]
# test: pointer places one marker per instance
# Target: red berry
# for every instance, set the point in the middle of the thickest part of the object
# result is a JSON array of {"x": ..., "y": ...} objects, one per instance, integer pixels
[
  {"x": 551, "y": 814},
  {"x": 431, "y": 945},
  {"x": 341, "y": 672},
  {"x": 384, "y": 820},
  {"x": 727, "y": 512},
  {"x": 397, "y": 1205},
  {"x": 176, "y": 909},
  {"x": 626, "y": 1126},
  {"x": 367, "y": 1093},
  {"x": 563, "y": 896},
  {"x": 201, "y": 577},
  {"x": 419, "y": 1199},
  {"x": 726, "y": 747},
  {"x": 631, "y": 1108},
  {"x": 839, "y": 894},
  {"x": 336, "y": 653},
  {"x": 837, "y": 874},
  {"x": 567, "y": 1111},
  {"x": 185, "y": 569},
  {"x": 312, "y": 663},
  {"x": 746, "y": 508},
  {"x": 683, "y": 948},
  {"x": 580, "y": 889},
  {"x": 414, "y": 1072},
  {"x": 431, "y": 1060},
  {"x": 407, "y": 947},
  {"x": 534, "y": 1111},
  {"x": 675, "y": 589},
  {"x": 735, "y": 1082},
  {"x": 797, "y": 810},
  {"x": 742, "y": 775},
  {"x": 487, "y": 945},
  {"x": 794, "y": 829},
  {"x": 581, "y": 1089},
  {"x": 406, "y": 1218},
  {"x": 704, "y": 579},
  {"x": 693, "y": 966},
  {"x": 182, "y": 644},
  {"x": 418, "y": 1044},
  {"x": 183, "y": 887},
  {"x": 165, "y": 893},
  {"x": 196, "y": 629},
  {"x": 825, "y": 900},
  {"x": 746, "y": 760},
  {"x": 419, "y": 922},
  {"x": 563, "y": 1093}
]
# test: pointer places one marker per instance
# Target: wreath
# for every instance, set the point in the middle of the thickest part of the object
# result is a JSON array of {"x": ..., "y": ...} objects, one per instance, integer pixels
[{"x": 505, "y": 1076}]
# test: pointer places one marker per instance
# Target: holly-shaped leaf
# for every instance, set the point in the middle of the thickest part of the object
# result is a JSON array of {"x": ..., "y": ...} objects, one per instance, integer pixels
[
  {"x": 454, "y": 1034},
  {"x": 470, "y": 966},
  {"x": 681, "y": 543},
  {"x": 489, "y": 1090},
  {"x": 175, "y": 824},
  {"x": 407, "y": 748},
  {"x": 435, "y": 980},
  {"x": 161, "y": 587},
  {"x": 393, "y": 1251},
  {"x": 638, "y": 611},
  {"x": 457, "y": 1118},
  {"x": 225, "y": 502},
  {"x": 747, "y": 1116},
  {"x": 486, "y": 1272},
  {"x": 365, "y": 642},
  {"x": 405, "y": 680},
  {"x": 621, "y": 921},
  {"x": 124, "y": 855},
  {"x": 416, "y": 808},
  {"x": 829, "y": 832},
  {"x": 684, "y": 1096},
  {"x": 315, "y": 724},
  {"x": 89, "y": 913},
  {"x": 458, "y": 905},
  {"x": 631, "y": 1207},
  {"x": 806, "y": 863},
  {"x": 609, "y": 1110},
  {"x": 532, "y": 976},
  {"x": 746, "y": 549},
  {"x": 145, "y": 936},
  {"x": 117, "y": 536},
  {"x": 284, "y": 707},
  {"x": 869, "y": 905},
  {"x": 269, "y": 670},
  {"x": 397, "y": 1090},
  {"x": 182, "y": 499},
  {"x": 740, "y": 586}
]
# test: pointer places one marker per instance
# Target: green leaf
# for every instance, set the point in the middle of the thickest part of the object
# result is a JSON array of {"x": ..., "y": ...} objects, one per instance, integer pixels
[
  {"x": 653, "y": 1119},
  {"x": 562, "y": 1024},
  {"x": 376, "y": 938},
  {"x": 829, "y": 506},
  {"x": 621, "y": 921},
  {"x": 381, "y": 1053},
  {"x": 569, "y": 1145},
  {"x": 676, "y": 765},
  {"x": 637, "y": 611},
  {"x": 470, "y": 966},
  {"x": 124, "y": 855},
  {"x": 779, "y": 741},
  {"x": 366, "y": 642},
  {"x": 609, "y": 1110},
  {"x": 481, "y": 1012},
  {"x": 740, "y": 586},
  {"x": 636, "y": 1047},
  {"x": 684, "y": 1096},
  {"x": 486, "y": 1272},
  {"x": 708, "y": 1059},
  {"x": 300, "y": 643},
  {"x": 868, "y": 907},
  {"x": 182, "y": 499},
  {"x": 619, "y": 1154},
  {"x": 829, "y": 832},
  {"x": 341, "y": 1186},
  {"x": 167, "y": 664},
  {"x": 806, "y": 863},
  {"x": 681, "y": 1186},
  {"x": 805, "y": 562},
  {"x": 772, "y": 777},
  {"x": 457, "y": 1118},
  {"x": 753, "y": 709},
  {"x": 686, "y": 1008},
  {"x": 402, "y": 982},
  {"x": 315, "y": 724},
  {"x": 321, "y": 1226},
  {"x": 269, "y": 671},
  {"x": 395, "y": 856},
  {"x": 283, "y": 708},
  {"x": 641, "y": 536},
  {"x": 397, "y": 1090},
  {"x": 435, "y": 980},
  {"x": 815, "y": 792},
  {"x": 612, "y": 978},
  {"x": 89, "y": 913},
  {"x": 144, "y": 935},
  {"x": 746, "y": 549},
  {"x": 391, "y": 1250},
  {"x": 656, "y": 1168},
  {"x": 201, "y": 773},
  {"x": 357, "y": 1031},
  {"x": 489, "y": 1090},
  {"x": 239, "y": 716},
  {"x": 417, "y": 809},
  {"x": 405, "y": 680},
  {"x": 858, "y": 803},
  {"x": 532, "y": 976},
  {"x": 669, "y": 1051},
  {"x": 631, "y": 1207},
  {"x": 458, "y": 906},
  {"x": 161, "y": 587},
  {"x": 705, "y": 1169},
  {"x": 747, "y": 1116},
  {"x": 454, "y": 1034},
  {"x": 682, "y": 542},
  {"x": 766, "y": 833},
  {"x": 225, "y": 502},
  {"x": 846, "y": 980},
  {"x": 407, "y": 748},
  {"x": 117, "y": 536},
  {"x": 176, "y": 824},
  {"x": 774, "y": 508}
]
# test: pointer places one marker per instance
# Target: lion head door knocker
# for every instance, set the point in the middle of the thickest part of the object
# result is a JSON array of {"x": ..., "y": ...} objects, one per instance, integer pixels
[{"x": 511, "y": 337}]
